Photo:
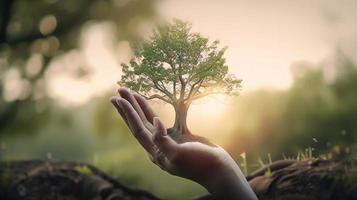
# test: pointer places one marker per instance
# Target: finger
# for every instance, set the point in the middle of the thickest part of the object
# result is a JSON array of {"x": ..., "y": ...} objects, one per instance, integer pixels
[
  {"x": 164, "y": 142},
  {"x": 149, "y": 113},
  {"x": 162, "y": 161},
  {"x": 113, "y": 100},
  {"x": 136, "y": 125},
  {"x": 126, "y": 94}
]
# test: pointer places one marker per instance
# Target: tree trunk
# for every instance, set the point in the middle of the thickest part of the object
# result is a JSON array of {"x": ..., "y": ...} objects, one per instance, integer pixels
[{"x": 181, "y": 118}]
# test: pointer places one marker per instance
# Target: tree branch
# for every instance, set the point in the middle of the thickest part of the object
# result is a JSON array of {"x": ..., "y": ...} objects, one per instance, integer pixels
[
  {"x": 162, "y": 89},
  {"x": 183, "y": 83},
  {"x": 5, "y": 10},
  {"x": 201, "y": 95},
  {"x": 170, "y": 62},
  {"x": 174, "y": 88},
  {"x": 193, "y": 88},
  {"x": 156, "y": 96}
]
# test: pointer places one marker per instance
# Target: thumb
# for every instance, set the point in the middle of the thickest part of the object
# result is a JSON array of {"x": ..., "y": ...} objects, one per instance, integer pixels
[{"x": 164, "y": 142}]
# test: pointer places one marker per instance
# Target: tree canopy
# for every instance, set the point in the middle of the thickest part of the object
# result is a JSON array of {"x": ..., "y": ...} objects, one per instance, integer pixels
[{"x": 178, "y": 66}]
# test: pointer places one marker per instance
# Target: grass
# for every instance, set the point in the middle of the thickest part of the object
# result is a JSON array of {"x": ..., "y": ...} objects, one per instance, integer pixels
[
  {"x": 336, "y": 152},
  {"x": 83, "y": 169},
  {"x": 262, "y": 164}
]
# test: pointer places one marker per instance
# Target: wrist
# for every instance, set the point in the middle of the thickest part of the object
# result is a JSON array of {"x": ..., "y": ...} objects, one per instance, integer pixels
[{"x": 229, "y": 183}]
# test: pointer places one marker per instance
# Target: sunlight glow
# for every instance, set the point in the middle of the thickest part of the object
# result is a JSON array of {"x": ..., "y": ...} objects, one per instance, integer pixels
[
  {"x": 212, "y": 118},
  {"x": 212, "y": 105},
  {"x": 79, "y": 75}
]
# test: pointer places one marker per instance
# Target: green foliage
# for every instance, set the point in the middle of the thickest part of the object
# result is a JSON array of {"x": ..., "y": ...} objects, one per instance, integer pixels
[
  {"x": 176, "y": 64},
  {"x": 315, "y": 118},
  {"x": 85, "y": 170},
  {"x": 322, "y": 109}
]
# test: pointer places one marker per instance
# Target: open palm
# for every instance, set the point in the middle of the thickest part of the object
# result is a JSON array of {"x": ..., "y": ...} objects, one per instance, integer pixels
[
  {"x": 184, "y": 155},
  {"x": 191, "y": 159}
]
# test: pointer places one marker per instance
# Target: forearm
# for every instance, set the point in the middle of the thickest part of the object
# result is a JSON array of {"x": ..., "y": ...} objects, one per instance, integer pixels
[{"x": 230, "y": 184}]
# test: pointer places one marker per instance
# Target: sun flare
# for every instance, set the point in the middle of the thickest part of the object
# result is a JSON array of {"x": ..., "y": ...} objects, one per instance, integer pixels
[{"x": 211, "y": 105}]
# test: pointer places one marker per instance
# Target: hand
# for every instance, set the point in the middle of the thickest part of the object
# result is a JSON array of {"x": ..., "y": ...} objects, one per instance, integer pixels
[{"x": 206, "y": 164}]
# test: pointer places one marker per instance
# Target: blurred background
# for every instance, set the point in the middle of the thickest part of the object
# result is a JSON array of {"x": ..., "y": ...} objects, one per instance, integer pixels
[{"x": 60, "y": 61}]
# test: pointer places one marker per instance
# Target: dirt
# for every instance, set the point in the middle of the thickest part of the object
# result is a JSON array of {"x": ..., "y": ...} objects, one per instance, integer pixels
[
  {"x": 64, "y": 180},
  {"x": 307, "y": 180},
  {"x": 61, "y": 180}
]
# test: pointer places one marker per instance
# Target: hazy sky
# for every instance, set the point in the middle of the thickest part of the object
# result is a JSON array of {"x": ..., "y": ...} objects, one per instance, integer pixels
[{"x": 263, "y": 37}]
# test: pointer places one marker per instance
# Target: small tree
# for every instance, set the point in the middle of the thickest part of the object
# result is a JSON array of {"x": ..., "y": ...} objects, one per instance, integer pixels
[{"x": 178, "y": 67}]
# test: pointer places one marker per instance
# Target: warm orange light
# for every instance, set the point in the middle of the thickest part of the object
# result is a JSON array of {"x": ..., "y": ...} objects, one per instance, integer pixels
[{"x": 212, "y": 105}]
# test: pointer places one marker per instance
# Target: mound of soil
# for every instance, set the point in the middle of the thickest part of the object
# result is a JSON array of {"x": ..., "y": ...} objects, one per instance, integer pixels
[
  {"x": 306, "y": 180},
  {"x": 63, "y": 180}
]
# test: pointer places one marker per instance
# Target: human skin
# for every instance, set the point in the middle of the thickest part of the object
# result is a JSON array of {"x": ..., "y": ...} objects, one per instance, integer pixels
[{"x": 208, "y": 165}]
